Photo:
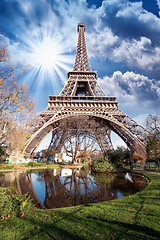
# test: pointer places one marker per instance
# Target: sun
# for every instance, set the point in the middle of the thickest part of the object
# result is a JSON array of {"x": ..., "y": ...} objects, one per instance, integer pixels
[
  {"x": 46, "y": 54},
  {"x": 49, "y": 58}
]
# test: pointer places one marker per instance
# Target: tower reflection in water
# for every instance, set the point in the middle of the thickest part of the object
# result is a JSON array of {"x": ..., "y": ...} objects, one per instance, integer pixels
[{"x": 58, "y": 188}]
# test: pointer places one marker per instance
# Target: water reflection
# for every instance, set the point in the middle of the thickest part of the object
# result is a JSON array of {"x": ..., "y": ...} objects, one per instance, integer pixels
[{"x": 69, "y": 187}]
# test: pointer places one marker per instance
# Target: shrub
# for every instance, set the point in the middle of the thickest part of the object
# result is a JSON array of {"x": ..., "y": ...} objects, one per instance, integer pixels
[
  {"x": 32, "y": 164},
  {"x": 14, "y": 205},
  {"x": 120, "y": 157},
  {"x": 138, "y": 157},
  {"x": 103, "y": 164}
]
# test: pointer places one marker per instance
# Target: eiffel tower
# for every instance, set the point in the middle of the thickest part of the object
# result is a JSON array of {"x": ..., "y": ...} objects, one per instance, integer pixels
[{"x": 82, "y": 96}]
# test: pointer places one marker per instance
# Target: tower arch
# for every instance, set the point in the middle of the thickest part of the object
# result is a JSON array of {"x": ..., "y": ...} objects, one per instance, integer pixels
[
  {"x": 133, "y": 138},
  {"x": 83, "y": 96}
]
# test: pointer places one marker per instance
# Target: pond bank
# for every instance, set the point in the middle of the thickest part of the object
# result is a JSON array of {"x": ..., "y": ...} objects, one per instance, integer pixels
[
  {"x": 129, "y": 218},
  {"x": 23, "y": 167},
  {"x": 70, "y": 186}
]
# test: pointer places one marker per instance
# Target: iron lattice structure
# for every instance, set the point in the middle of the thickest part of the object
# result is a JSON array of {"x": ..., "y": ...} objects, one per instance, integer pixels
[
  {"x": 82, "y": 128},
  {"x": 82, "y": 96}
]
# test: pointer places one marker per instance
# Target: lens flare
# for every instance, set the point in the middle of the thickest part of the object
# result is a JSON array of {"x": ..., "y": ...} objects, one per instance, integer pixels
[
  {"x": 46, "y": 54},
  {"x": 49, "y": 61}
]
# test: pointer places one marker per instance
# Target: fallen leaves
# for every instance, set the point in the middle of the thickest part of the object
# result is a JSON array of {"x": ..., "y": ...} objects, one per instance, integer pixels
[{"x": 4, "y": 218}]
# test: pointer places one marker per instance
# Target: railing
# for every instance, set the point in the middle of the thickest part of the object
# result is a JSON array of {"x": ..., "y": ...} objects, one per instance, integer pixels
[
  {"x": 81, "y": 98},
  {"x": 148, "y": 166}
]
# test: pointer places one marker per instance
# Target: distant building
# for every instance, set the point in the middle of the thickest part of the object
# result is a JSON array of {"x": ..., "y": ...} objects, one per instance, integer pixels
[{"x": 62, "y": 157}]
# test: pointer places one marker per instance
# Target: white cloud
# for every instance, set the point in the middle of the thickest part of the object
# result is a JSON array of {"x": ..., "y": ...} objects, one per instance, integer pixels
[
  {"x": 137, "y": 53},
  {"x": 158, "y": 3},
  {"x": 141, "y": 119},
  {"x": 127, "y": 34},
  {"x": 133, "y": 91},
  {"x": 60, "y": 18},
  {"x": 101, "y": 43},
  {"x": 26, "y": 6},
  {"x": 130, "y": 9}
]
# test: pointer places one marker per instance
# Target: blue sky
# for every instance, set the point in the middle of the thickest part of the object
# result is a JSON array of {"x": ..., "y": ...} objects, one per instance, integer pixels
[{"x": 123, "y": 42}]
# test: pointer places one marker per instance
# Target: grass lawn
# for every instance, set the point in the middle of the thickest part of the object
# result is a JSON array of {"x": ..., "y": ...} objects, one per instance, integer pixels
[
  {"x": 26, "y": 166},
  {"x": 132, "y": 217}
]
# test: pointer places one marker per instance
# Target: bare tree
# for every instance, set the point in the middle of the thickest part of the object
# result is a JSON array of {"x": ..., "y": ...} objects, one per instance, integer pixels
[
  {"x": 79, "y": 134},
  {"x": 153, "y": 138},
  {"x": 16, "y": 108}
]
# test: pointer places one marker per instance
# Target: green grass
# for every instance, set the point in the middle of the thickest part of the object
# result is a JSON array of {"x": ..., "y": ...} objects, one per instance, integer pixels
[
  {"x": 6, "y": 166},
  {"x": 133, "y": 217},
  {"x": 27, "y": 166},
  {"x": 36, "y": 165}
]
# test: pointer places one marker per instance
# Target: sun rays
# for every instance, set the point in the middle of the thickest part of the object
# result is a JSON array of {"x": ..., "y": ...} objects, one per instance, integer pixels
[
  {"x": 49, "y": 62},
  {"x": 47, "y": 54}
]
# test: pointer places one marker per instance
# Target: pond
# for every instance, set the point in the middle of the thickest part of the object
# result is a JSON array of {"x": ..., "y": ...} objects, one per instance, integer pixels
[{"x": 56, "y": 188}]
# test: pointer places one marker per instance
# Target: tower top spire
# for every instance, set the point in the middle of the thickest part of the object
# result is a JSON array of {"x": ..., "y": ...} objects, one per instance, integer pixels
[
  {"x": 80, "y": 25},
  {"x": 81, "y": 61}
]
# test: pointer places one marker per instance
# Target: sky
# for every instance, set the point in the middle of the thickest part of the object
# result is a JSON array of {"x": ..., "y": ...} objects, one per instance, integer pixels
[{"x": 123, "y": 43}]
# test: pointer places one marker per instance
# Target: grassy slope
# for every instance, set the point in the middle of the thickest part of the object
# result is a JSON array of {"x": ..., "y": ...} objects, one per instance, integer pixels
[{"x": 133, "y": 217}]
